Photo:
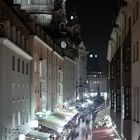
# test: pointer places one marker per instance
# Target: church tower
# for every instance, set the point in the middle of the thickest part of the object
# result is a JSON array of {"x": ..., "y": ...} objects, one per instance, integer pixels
[{"x": 40, "y": 10}]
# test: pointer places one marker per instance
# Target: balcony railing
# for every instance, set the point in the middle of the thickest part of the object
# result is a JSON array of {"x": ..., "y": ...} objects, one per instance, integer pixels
[{"x": 38, "y": 8}]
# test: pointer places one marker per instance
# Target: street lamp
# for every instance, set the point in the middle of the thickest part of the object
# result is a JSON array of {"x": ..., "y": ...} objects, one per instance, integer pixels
[
  {"x": 96, "y": 56},
  {"x": 72, "y": 17},
  {"x": 91, "y": 56}
]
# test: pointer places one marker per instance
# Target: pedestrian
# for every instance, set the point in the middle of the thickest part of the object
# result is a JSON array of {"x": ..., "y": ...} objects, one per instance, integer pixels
[
  {"x": 87, "y": 121},
  {"x": 83, "y": 119},
  {"x": 86, "y": 135}
]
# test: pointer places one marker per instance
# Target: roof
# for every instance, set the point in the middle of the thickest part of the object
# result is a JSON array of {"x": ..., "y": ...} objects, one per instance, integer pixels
[{"x": 32, "y": 134}]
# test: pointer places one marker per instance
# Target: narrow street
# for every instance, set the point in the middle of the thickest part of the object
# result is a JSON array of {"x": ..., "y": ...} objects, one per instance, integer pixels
[
  {"x": 102, "y": 134},
  {"x": 84, "y": 130},
  {"x": 90, "y": 132}
]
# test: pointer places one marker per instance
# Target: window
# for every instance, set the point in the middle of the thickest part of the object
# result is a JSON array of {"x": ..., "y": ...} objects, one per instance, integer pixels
[
  {"x": 19, "y": 118},
  {"x": 13, "y": 63},
  {"x": 136, "y": 104},
  {"x": 23, "y": 116},
  {"x": 23, "y": 91},
  {"x": 62, "y": 26},
  {"x": 27, "y": 68},
  {"x": 27, "y": 119},
  {"x": 18, "y": 37},
  {"x": 136, "y": 52},
  {"x": 18, "y": 66},
  {"x": 127, "y": 102},
  {"x": 22, "y": 66},
  {"x": 13, "y": 91},
  {"x": 35, "y": 67},
  {"x": 27, "y": 91},
  {"x": 27, "y": 46},
  {"x": 13, "y": 121},
  {"x": 133, "y": 15},
  {"x": 135, "y": 12},
  {"x": 18, "y": 92},
  {"x": 13, "y": 35},
  {"x": 22, "y": 41}
]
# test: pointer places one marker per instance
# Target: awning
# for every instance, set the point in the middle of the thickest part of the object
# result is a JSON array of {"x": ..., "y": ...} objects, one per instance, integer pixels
[
  {"x": 36, "y": 135},
  {"x": 57, "y": 120},
  {"x": 50, "y": 124},
  {"x": 68, "y": 114}
]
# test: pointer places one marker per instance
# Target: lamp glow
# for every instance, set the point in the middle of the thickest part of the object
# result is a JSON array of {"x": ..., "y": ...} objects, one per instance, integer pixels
[
  {"x": 91, "y": 55},
  {"x": 72, "y": 17},
  {"x": 34, "y": 124},
  {"x": 21, "y": 137}
]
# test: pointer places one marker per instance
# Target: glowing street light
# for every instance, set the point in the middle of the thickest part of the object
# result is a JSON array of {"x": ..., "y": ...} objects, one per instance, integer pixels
[
  {"x": 96, "y": 56},
  {"x": 21, "y": 137},
  {"x": 91, "y": 56},
  {"x": 72, "y": 17}
]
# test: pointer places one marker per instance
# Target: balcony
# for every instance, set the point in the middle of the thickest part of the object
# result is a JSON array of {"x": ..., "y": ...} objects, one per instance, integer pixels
[{"x": 38, "y": 9}]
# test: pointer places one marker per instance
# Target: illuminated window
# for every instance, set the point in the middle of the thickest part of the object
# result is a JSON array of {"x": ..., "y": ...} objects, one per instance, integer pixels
[
  {"x": 13, "y": 121},
  {"x": 127, "y": 102},
  {"x": 19, "y": 118}
]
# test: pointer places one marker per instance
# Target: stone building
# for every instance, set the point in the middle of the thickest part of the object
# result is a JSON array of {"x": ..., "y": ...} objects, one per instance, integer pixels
[
  {"x": 37, "y": 65},
  {"x": 123, "y": 57},
  {"x": 15, "y": 73}
]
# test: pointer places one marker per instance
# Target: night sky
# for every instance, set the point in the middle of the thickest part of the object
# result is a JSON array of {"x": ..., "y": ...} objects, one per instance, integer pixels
[{"x": 95, "y": 18}]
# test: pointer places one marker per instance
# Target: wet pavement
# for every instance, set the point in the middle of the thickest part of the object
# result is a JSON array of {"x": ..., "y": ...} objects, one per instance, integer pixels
[
  {"x": 89, "y": 132},
  {"x": 103, "y": 134},
  {"x": 84, "y": 130}
]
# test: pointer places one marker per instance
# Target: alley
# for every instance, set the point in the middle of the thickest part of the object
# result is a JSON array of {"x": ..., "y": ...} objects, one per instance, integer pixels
[{"x": 91, "y": 131}]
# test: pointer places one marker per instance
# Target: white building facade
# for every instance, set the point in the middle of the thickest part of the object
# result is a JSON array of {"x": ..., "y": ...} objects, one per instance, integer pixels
[{"x": 15, "y": 90}]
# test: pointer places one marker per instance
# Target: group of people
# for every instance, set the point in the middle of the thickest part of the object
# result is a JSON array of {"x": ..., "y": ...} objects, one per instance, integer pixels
[
  {"x": 86, "y": 119},
  {"x": 86, "y": 131}
]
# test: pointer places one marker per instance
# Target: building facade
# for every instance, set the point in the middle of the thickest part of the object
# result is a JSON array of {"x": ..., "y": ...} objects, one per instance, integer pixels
[
  {"x": 97, "y": 83},
  {"x": 37, "y": 74},
  {"x": 15, "y": 75},
  {"x": 123, "y": 57}
]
